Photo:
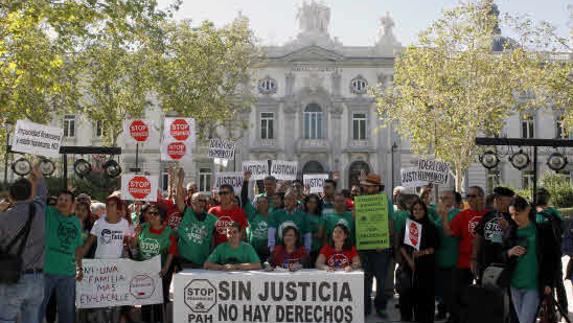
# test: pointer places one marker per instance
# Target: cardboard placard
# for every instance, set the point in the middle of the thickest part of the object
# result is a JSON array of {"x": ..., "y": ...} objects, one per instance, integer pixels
[
  {"x": 138, "y": 130},
  {"x": 139, "y": 187},
  {"x": 37, "y": 139},
  {"x": 118, "y": 282},
  {"x": 308, "y": 295},
  {"x": 413, "y": 234},
  {"x": 178, "y": 139},
  {"x": 221, "y": 148},
  {"x": 315, "y": 182},
  {"x": 234, "y": 179},
  {"x": 284, "y": 170},
  {"x": 372, "y": 230},
  {"x": 259, "y": 169}
]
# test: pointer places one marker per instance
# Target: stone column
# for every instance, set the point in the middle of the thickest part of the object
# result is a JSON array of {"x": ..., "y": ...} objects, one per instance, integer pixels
[
  {"x": 291, "y": 132},
  {"x": 289, "y": 84},
  {"x": 335, "y": 132},
  {"x": 335, "y": 88}
]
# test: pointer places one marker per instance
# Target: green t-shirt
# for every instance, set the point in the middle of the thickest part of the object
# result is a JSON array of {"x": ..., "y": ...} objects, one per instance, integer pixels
[
  {"x": 331, "y": 220},
  {"x": 526, "y": 271},
  {"x": 63, "y": 236},
  {"x": 433, "y": 214},
  {"x": 195, "y": 237},
  {"x": 313, "y": 223},
  {"x": 269, "y": 198},
  {"x": 400, "y": 217},
  {"x": 224, "y": 254},
  {"x": 539, "y": 218},
  {"x": 258, "y": 232},
  {"x": 152, "y": 244},
  {"x": 447, "y": 253},
  {"x": 280, "y": 218}
]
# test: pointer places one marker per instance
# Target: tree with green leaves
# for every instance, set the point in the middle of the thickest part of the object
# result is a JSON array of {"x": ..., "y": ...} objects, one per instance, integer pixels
[
  {"x": 462, "y": 80},
  {"x": 204, "y": 72}
]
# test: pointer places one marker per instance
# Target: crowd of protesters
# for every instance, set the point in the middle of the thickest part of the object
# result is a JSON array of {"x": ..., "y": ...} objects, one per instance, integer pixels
[{"x": 285, "y": 228}]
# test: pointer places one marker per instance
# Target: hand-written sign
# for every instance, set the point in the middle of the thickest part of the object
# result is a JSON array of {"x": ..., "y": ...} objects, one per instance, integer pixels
[
  {"x": 37, "y": 139},
  {"x": 315, "y": 182},
  {"x": 302, "y": 296},
  {"x": 139, "y": 187},
  {"x": 409, "y": 177},
  {"x": 259, "y": 168},
  {"x": 413, "y": 234},
  {"x": 372, "y": 230},
  {"x": 426, "y": 171},
  {"x": 117, "y": 282},
  {"x": 284, "y": 170},
  {"x": 220, "y": 148},
  {"x": 234, "y": 179}
]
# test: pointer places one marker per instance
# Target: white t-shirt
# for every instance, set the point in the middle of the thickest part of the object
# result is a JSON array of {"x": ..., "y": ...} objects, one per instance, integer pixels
[{"x": 110, "y": 237}]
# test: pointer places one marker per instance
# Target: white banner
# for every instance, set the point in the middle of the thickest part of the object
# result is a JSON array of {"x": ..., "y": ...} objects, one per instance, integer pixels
[
  {"x": 37, "y": 139},
  {"x": 221, "y": 148},
  {"x": 259, "y": 168},
  {"x": 413, "y": 234},
  {"x": 139, "y": 187},
  {"x": 284, "y": 170},
  {"x": 257, "y": 296},
  {"x": 234, "y": 179},
  {"x": 178, "y": 139},
  {"x": 138, "y": 130},
  {"x": 118, "y": 282},
  {"x": 315, "y": 182}
]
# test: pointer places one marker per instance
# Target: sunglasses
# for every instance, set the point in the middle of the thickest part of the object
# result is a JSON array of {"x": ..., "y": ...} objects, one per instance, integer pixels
[
  {"x": 224, "y": 193},
  {"x": 469, "y": 196},
  {"x": 153, "y": 213}
]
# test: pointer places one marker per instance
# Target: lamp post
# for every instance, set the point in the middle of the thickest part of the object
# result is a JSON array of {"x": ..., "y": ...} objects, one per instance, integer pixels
[
  {"x": 392, "y": 150},
  {"x": 8, "y": 127}
]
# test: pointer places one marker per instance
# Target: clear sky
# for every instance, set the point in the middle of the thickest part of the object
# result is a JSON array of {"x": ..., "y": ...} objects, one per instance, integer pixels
[{"x": 355, "y": 22}]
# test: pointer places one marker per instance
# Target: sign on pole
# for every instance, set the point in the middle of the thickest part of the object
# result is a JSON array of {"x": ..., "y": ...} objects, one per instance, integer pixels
[
  {"x": 138, "y": 130},
  {"x": 259, "y": 169},
  {"x": 426, "y": 171},
  {"x": 315, "y": 182},
  {"x": 37, "y": 139},
  {"x": 257, "y": 296},
  {"x": 221, "y": 148},
  {"x": 178, "y": 139},
  {"x": 118, "y": 282},
  {"x": 234, "y": 179},
  {"x": 413, "y": 234},
  {"x": 372, "y": 230},
  {"x": 139, "y": 187},
  {"x": 284, "y": 170}
]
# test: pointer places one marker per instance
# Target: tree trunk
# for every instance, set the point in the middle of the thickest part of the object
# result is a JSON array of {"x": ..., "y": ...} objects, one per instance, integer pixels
[{"x": 459, "y": 176}]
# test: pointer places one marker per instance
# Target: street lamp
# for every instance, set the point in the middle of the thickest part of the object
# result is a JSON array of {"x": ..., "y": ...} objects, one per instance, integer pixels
[
  {"x": 8, "y": 127},
  {"x": 393, "y": 148}
]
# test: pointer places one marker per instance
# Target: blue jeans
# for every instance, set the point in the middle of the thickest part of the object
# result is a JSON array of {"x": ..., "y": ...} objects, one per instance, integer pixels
[
  {"x": 526, "y": 303},
  {"x": 65, "y": 287},
  {"x": 375, "y": 264},
  {"x": 22, "y": 299}
]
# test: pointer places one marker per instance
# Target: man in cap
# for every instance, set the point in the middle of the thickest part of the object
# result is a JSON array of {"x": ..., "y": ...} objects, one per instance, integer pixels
[
  {"x": 376, "y": 261},
  {"x": 490, "y": 231}
]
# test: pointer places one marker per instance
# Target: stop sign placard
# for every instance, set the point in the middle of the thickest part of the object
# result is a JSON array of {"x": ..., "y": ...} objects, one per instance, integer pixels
[
  {"x": 176, "y": 150},
  {"x": 139, "y": 131},
  {"x": 139, "y": 187},
  {"x": 180, "y": 129}
]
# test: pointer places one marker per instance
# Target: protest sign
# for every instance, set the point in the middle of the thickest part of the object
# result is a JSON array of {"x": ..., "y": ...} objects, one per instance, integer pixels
[
  {"x": 413, "y": 234},
  {"x": 234, "y": 179},
  {"x": 221, "y": 148},
  {"x": 409, "y": 177},
  {"x": 426, "y": 171},
  {"x": 139, "y": 187},
  {"x": 256, "y": 296},
  {"x": 259, "y": 169},
  {"x": 37, "y": 139},
  {"x": 178, "y": 139},
  {"x": 284, "y": 170},
  {"x": 118, "y": 282},
  {"x": 138, "y": 130},
  {"x": 372, "y": 222},
  {"x": 315, "y": 182}
]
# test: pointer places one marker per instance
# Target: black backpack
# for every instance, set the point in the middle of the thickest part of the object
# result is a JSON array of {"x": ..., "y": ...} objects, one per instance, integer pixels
[{"x": 10, "y": 263}]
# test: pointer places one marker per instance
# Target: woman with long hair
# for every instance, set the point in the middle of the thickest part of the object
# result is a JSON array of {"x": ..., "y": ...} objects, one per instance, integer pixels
[
  {"x": 290, "y": 253},
  {"x": 341, "y": 254}
]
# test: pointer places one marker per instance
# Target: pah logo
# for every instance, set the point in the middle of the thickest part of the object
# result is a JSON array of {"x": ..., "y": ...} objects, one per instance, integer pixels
[{"x": 200, "y": 295}]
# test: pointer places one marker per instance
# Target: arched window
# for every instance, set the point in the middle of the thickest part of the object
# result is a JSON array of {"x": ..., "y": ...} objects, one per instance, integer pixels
[
  {"x": 313, "y": 121},
  {"x": 312, "y": 167},
  {"x": 359, "y": 85},
  {"x": 354, "y": 171}
]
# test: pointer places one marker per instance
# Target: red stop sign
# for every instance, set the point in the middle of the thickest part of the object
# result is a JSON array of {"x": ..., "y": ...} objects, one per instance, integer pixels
[
  {"x": 176, "y": 150},
  {"x": 139, "y": 130},
  {"x": 139, "y": 187},
  {"x": 180, "y": 129},
  {"x": 414, "y": 234}
]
